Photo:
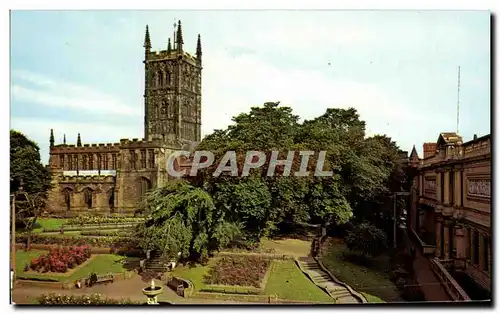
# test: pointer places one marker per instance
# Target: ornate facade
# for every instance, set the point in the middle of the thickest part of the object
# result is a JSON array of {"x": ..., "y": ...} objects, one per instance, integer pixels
[
  {"x": 104, "y": 178},
  {"x": 451, "y": 217}
]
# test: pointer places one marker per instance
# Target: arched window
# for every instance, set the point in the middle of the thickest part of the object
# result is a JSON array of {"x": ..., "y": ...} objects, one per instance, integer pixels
[
  {"x": 143, "y": 186},
  {"x": 67, "y": 198},
  {"x": 156, "y": 112},
  {"x": 87, "y": 197},
  {"x": 111, "y": 199},
  {"x": 169, "y": 78},
  {"x": 159, "y": 76}
]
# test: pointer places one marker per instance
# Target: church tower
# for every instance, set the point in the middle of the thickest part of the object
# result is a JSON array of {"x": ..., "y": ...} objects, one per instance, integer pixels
[{"x": 172, "y": 96}]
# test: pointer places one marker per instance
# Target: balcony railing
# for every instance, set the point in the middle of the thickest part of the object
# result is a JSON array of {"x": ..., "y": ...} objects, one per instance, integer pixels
[{"x": 451, "y": 286}]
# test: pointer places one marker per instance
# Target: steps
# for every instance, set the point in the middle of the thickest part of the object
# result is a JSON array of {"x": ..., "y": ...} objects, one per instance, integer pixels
[
  {"x": 155, "y": 263},
  {"x": 320, "y": 278}
]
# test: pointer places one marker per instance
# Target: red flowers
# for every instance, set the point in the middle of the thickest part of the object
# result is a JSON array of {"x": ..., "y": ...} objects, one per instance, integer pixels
[{"x": 60, "y": 259}]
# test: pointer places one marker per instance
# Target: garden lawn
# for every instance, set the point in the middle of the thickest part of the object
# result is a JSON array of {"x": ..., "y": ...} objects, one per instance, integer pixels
[
  {"x": 371, "y": 278},
  {"x": 288, "y": 282},
  {"x": 100, "y": 264},
  {"x": 195, "y": 273},
  {"x": 293, "y": 247},
  {"x": 42, "y": 223}
]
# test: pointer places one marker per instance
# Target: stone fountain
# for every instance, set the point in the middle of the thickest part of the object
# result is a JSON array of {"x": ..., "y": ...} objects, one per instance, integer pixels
[{"x": 152, "y": 292}]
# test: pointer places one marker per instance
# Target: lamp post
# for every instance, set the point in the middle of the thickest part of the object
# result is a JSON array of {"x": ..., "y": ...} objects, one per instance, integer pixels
[{"x": 395, "y": 196}]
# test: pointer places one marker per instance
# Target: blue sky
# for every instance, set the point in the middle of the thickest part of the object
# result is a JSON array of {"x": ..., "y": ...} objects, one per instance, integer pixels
[{"x": 82, "y": 71}]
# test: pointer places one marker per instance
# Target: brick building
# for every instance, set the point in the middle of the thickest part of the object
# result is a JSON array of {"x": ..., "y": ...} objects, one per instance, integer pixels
[
  {"x": 103, "y": 178},
  {"x": 451, "y": 215}
]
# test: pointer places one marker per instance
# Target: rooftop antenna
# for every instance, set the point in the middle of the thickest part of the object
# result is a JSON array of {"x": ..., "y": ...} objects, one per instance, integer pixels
[{"x": 458, "y": 99}]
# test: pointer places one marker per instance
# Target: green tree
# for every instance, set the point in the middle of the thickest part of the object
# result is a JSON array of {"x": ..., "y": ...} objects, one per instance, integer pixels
[
  {"x": 25, "y": 165},
  {"x": 366, "y": 239},
  {"x": 182, "y": 218}
]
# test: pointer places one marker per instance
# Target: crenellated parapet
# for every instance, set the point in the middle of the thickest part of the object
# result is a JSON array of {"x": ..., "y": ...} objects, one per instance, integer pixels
[
  {"x": 94, "y": 179},
  {"x": 86, "y": 148}
]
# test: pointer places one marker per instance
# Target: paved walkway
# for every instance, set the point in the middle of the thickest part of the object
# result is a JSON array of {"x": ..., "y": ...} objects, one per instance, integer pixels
[
  {"x": 429, "y": 283},
  {"x": 121, "y": 289},
  {"x": 322, "y": 279}
]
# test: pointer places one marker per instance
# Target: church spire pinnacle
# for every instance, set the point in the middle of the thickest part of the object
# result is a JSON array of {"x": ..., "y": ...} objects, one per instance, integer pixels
[
  {"x": 51, "y": 138},
  {"x": 79, "y": 140},
  {"x": 198, "y": 50},
  {"x": 147, "y": 40},
  {"x": 169, "y": 46},
  {"x": 179, "y": 39}
]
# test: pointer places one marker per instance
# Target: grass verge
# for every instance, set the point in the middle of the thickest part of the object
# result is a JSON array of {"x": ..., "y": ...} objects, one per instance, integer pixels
[
  {"x": 371, "y": 277},
  {"x": 288, "y": 282}
]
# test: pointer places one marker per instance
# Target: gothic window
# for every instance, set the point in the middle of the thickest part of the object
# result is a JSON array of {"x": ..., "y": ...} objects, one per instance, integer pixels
[
  {"x": 170, "y": 111},
  {"x": 143, "y": 159},
  {"x": 105, "y": 162},
  {"x": 143, "y": 186},
  {"x": 99, "y": 160},
  {"x": 169, "y": 78},
  {"x": 84, "y": 162},
  {"x": 67, "y": 198},
  {"x": 151, "y": 154},
  {"x": 132, "y": 159},
  {"x": 159, "y": 77},
  {"x": 164, "y": 107},
  {"x": 91, "y": 162},
  {"x": 87, "y": 197},
  {"x": 70, "y": 162},
  {"x": 61, "y": 161},
  {"x": 156, "y": 112},
  {"x": 114, "y": 163}
]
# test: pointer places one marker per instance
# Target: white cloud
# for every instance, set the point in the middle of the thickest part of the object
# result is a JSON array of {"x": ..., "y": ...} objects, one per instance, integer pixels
[{"x": 64, "y": 94}]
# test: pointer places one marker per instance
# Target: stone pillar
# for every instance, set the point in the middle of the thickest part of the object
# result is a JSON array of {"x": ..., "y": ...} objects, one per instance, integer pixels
[
  {"x": 438, "y": 236},
  {"x": 481, "y": 250},
  {"x": 457, "y": 188},
  {"x": 446, "y": 196},
  {"x": 446, "y": 246},
  {"x": 421, "y": 185},
  {"x": 460, "y": 246}
]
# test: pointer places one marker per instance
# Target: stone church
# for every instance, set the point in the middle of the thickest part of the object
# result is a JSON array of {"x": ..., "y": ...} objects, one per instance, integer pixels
[{"x": 113, "y": 177}]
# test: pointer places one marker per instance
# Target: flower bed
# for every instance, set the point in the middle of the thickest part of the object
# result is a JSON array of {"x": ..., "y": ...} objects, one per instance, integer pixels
[
  {"x": 246, "y": 271},
  {"x": 61, "y": 259}
]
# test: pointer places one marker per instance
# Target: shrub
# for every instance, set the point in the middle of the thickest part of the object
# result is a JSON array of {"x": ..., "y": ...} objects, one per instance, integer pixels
[
  {"x": 87, "y": 219},
  {"x": 93, "y": 299},
  {"x": 366, "y": 239},
  {"x": 58, "y": 260}
]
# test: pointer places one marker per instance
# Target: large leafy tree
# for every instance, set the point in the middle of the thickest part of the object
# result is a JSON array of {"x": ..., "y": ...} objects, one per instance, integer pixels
[
  {"x": 182, "y": 218},
  {"x": 25, "y": 165}
]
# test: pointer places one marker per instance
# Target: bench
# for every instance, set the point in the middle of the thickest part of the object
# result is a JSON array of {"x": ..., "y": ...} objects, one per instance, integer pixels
[
  {"x": 177, "y": 285},
  {"x": 94, "y": 278}
]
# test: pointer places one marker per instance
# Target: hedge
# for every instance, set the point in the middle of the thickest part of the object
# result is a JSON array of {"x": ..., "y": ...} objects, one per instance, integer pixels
[
  {"x": 89, "y": 227},
  {"x": 121, "y": 242}
]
